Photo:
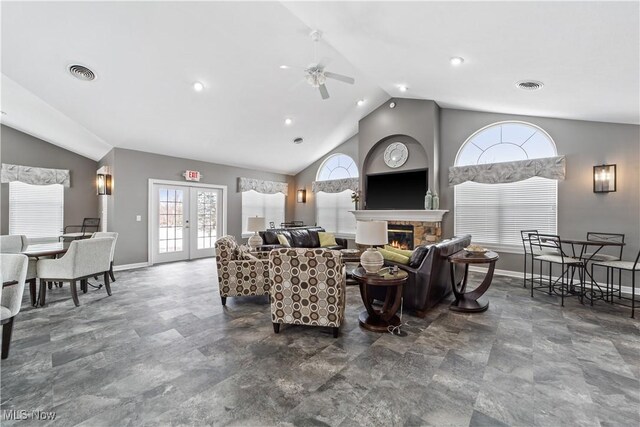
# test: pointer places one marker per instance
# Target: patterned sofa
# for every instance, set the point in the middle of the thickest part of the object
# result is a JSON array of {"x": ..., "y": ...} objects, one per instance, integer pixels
[
  {"x": 239, "y": 273},
  {"x": 307, "y": 287}
]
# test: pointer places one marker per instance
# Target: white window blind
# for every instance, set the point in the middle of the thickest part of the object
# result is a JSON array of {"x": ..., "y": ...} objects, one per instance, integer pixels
[
  {"x": 332, "y": 212},
  {"x": 36, "y": 211},
  {"x": 494, "y": 214},
  {"x": 269, "y": 206}
]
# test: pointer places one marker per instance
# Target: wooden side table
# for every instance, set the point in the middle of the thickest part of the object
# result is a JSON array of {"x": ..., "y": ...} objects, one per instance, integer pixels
[
  {"x": 379, "y": 320},
  {"x": 469, "y": 302}
]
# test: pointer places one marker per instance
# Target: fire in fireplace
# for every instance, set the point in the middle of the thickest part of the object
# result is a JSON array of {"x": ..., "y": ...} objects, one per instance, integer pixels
[{"x": 400, "y": 236}]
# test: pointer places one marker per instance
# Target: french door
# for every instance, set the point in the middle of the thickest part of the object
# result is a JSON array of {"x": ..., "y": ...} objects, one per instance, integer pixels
[{"x": 185, "y": 221}]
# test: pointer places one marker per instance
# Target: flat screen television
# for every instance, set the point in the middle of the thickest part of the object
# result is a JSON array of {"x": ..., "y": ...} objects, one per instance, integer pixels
[{"x": 397, "y": 190}]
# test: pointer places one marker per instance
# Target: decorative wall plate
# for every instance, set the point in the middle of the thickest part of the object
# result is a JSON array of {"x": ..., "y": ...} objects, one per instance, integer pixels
[{"x": 396, "y": 154}]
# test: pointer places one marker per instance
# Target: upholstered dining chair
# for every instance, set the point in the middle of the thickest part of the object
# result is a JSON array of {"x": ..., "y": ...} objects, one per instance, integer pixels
[
  {"x": 84, "y": 259},
  {"x": 239, "y": 272},
  {"x": 611, "y": 266},
  {"x": 14, "y": 244},
  {"x": 308, "y": 287},
  {"x": 13, "y": 267},
  {"x": 114, "y": 235}
]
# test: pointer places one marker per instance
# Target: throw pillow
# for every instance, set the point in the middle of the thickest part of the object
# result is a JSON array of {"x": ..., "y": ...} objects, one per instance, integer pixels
[
  {"x": 418, "y": 256},
  {"x": 404, "y": 252},
  {"x": 395, "y": 257},
  {"x": 283, "y": 241},
  {"x": 327, "y": 239}
]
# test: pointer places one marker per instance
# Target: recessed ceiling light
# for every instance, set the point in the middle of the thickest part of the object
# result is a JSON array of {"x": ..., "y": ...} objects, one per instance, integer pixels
[
  {"x": 403, "y": 88},
  {"x": 198, "y": 87},
  {"x": 298, "y": 140},
  {"x": 392, "y": 105},
  {"x": 529, "y": 85},
  {"x": 284, "y": 67},
  {"x": 456, "y": 60},
  {"x": 360, "y": 102},
  {"x": 288, "y": 121}
]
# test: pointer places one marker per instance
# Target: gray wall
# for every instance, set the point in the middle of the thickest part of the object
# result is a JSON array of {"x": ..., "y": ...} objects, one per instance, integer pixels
[
  {"x": 80, "y": 200},
  {"x": 307, "y": 211},
  {"x": 585, "y": 144},
  {"x": 416, "y": 118},
  {"x": 418, "y": 158},
  {"x": 131, "y": 173}
]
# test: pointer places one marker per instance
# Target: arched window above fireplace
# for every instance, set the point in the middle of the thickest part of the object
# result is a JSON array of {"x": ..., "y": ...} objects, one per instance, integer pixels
[{"x": 337, "y": 166}]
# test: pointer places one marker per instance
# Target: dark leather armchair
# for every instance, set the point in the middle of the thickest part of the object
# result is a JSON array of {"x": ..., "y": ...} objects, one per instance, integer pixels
[{"x": 429, "y": 282}]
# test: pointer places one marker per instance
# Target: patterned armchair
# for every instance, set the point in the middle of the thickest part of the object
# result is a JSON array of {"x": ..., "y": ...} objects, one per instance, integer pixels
[
  {"x": 307, "y": 287},
  {"x": 239, "y": 273}
]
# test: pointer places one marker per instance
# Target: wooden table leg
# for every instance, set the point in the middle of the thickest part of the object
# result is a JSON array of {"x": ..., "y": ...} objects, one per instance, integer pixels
[{"x": 470, "y": 302}]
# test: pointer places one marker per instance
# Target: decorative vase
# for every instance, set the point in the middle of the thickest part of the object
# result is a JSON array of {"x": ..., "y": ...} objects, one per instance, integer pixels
[
  {"x": 428, "y": 200},
  {"x": 371, "y": 260},
  {"x": 435, "y": 202}
]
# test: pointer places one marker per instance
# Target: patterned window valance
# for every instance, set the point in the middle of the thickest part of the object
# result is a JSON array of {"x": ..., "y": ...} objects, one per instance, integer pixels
[
  {"x": 35, "y": 176},
  {"x": 335, "y": 185},
  {"x": 497, "y": 173},
  {"x": 262, "y": 186}
]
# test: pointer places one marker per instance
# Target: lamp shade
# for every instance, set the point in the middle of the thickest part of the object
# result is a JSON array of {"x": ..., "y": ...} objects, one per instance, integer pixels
[
  {"x": 255, "y": 223},
  {"x": 371, "y": 233}
]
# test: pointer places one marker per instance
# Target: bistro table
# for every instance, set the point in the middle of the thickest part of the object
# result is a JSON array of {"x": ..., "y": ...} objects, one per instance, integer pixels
[
  {"x": 379, "y": 320},
  {"x": 469, "y": 302},
  {"x": 579, "y": 250}
]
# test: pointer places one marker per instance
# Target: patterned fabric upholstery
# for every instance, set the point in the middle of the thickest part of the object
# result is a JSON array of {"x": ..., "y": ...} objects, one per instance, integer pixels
[
  {"x": 238, "y": 276},
  {"x": 307, "y": 286}
]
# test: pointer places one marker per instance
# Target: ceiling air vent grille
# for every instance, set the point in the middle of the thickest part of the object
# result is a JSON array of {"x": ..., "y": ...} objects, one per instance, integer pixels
[
  {"x": 81, "y": 72},
  {"x": 529, "y": 85}
]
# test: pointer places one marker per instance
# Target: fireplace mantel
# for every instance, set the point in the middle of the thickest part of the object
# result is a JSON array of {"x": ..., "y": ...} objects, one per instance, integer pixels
[{"x": 400, "y": 215}]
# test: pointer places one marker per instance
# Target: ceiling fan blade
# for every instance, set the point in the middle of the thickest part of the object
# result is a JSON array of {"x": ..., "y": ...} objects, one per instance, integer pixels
[
  {"x": 323, "y": 91},
  {"x": 340, "y": 77}
]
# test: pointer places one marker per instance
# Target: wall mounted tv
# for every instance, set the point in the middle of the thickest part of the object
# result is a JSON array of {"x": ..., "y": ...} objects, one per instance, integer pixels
[{"x": 397, "y": 190}]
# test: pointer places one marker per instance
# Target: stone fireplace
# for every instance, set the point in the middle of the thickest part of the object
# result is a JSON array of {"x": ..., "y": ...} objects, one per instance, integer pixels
[
  {"x": 425, "y": 224},
  {"x": 400, "y": 235}
]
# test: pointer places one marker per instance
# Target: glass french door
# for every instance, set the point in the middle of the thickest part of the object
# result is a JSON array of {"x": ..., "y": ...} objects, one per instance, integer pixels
[{"x": 186, "y": 221}]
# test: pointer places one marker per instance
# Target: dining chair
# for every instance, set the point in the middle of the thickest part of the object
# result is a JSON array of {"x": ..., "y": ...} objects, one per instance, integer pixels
[
  {"x": 620, "y": 265},
  {"x": 114, "y": 235},
  {"x": 550, "y": 248},
  {"x": 84, "y": 259},
  {"x": 605, "y": 237},
  {"x": 88, "y": 227},
  {"x": 13, "y": 267},
  {"x": 14, "y": 244},
  {"x": 530, "y": 252}
]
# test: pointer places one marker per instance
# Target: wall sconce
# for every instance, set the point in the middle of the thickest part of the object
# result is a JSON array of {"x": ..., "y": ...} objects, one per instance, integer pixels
[
  {"x": 103, "y": 183},
  {"x": 301, "y": 196},
  {"x": 604, "y": 178}
]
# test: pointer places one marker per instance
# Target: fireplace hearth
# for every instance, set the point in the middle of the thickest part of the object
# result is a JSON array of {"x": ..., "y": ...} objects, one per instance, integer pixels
[{"x": 400, "y": 236}]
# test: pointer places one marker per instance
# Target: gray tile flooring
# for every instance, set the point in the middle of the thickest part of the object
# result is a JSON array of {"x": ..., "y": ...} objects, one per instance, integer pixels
[{"x": 163, "y": 351}]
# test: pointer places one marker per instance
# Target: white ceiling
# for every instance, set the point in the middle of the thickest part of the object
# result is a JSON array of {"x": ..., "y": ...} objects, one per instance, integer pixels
[{"x": 148, "y": 54}]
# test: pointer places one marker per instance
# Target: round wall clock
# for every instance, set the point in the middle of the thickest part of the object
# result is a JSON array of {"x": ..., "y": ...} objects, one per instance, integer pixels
[{"x": 396, "y": 154}]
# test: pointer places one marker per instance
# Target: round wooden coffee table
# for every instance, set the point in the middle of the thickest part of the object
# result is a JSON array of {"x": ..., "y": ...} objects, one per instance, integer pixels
[
  {"x": 379, "y": 320},
  {"x": 469, "y": 302}
]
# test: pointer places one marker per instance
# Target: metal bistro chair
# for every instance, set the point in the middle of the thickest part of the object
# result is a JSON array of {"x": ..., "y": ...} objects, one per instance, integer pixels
[
  {"x": 632, "y": 266},
  {"x": 524, "y": 234},
  {"x": 545, "y": 243},
  {"x": 613, "y": 255},
  {"x": 88, "y": 227}
]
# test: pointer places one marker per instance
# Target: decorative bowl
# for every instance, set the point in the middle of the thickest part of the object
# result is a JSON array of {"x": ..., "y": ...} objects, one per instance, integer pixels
[
  {"x": 476, "y": 250},
  {"x": 349, "y": 251}
]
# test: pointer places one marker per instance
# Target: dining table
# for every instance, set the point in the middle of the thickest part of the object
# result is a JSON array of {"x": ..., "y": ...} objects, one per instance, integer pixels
[
  {"x": 44, "y": 250},
  {"x": 579, "y": 249}
]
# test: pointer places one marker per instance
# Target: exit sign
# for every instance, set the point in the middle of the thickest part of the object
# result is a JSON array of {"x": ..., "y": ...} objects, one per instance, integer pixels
[{"x": 192, "y": 175}]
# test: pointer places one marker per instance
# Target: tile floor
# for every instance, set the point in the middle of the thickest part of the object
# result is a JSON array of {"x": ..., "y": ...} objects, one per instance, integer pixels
[{"x": 163, "y": 351}]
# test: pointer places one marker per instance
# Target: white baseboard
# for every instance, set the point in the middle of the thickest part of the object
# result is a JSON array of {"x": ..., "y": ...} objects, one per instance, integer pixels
[
  {"x": 130, "y": 266},
  {"x": 518, "y": 275}
]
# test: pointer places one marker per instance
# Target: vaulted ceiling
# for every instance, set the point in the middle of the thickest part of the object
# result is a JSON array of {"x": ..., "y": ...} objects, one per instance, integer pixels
[{"x": 147, "y": 55}]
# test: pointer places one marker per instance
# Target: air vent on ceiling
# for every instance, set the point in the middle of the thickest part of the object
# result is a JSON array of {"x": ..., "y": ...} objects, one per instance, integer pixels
[
  {"x": 298, "y": 140},
  {"x": 529, "y": 85},
  {"x": 81, "y": 72}
]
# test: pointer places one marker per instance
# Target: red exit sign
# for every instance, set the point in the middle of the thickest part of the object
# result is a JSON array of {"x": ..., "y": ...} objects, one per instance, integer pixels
[{"x": 192, "y": 175}]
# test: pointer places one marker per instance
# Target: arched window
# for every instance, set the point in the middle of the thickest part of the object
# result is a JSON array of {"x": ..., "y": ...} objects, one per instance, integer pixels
[
  {"x": 494, "y": 214},
  {"x": 332, "y": 209}
]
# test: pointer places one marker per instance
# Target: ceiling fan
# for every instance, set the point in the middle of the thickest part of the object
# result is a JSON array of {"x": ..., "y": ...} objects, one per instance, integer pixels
[{"x": 316, "y": 75}]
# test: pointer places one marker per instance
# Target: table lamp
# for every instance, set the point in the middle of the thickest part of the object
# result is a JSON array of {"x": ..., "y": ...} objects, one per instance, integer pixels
[
  {"x": 255, "y": 224},
  {"x": 371, "y": 233}
]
